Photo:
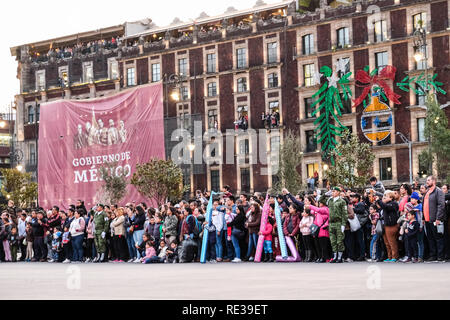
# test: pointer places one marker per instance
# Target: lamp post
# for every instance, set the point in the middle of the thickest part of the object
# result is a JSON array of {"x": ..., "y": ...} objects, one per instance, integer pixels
[
  {"x": 175, "y": 95},
  {"x": 406, "y": 140},
  {"x": 421, "y": 54}
]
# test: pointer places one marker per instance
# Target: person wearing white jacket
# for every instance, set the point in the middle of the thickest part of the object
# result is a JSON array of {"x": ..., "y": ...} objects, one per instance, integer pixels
[{"x": 76, "y": 230}]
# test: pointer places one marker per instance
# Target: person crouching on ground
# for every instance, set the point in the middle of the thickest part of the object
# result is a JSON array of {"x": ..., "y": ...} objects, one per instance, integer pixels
[
  {"x": 161, "y": 257},
  {"x": 150, "y": 251},
  {"x": 172, "y": 253}
]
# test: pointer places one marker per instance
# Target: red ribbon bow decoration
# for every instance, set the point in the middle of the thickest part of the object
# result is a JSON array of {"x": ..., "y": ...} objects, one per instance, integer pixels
[{"x": 364, "y": 80}]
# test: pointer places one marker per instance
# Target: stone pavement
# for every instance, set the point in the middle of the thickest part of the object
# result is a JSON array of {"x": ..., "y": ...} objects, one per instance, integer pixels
[{"x": 225, "y": 281}]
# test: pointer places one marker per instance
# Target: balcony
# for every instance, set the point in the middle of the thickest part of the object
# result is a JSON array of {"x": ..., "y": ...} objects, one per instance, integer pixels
[
  {"x": 210, "y": 35},
  {"x": 181, "y": 41},
  {"x": 271, "y": 23},
  {"x": 241, "y": 29}
]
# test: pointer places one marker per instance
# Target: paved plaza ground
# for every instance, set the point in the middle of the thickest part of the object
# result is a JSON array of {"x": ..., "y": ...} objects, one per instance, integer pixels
[{"x": 224, "y": 281}]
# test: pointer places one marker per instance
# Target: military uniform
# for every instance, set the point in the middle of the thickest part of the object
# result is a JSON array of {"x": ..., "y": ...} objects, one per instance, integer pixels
[
  {"x": 101, "y": 225},
  {"x": 338, "y": 218}
]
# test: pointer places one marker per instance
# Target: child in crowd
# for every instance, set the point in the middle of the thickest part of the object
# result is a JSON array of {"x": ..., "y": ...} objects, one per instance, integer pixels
[
  {"x": 418, "y": 209},
  {"x": 267, "y": 233},
  {"x": 65, "y": 243},
  {"x": 161, "y": 257},
  {"x": 56, "y": 246},
  {"x": 13, "y": 239},
  {"x": 150, "y": 251},
  {"x": 211, "y": 244},
  {"x": 411, "y": 233},
  {"x": 172, "y": 253},
  {"x": 142, "y": 246},
  {"x": 305, "y": 229},
  {"x": 29, "y": 239},
  {"x": 229, "y": 217},
  {"x": 374, "y": 216}
]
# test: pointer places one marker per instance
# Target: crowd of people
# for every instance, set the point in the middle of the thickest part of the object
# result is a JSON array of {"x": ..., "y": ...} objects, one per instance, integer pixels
[
  {"x": 408, "y": 224},
  {"x": 82, "y": 48}
]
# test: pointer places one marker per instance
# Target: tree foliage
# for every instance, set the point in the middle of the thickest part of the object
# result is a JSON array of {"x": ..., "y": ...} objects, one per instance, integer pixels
[
  {"x": 19, "y": 187},
  {"x": 159, "y": 180},
  {"x": 437, "y": 129},
  {"x": 114, "y": 185},
  {"x": 353, "y": 162},
  {"x": 290, "y": 157}
]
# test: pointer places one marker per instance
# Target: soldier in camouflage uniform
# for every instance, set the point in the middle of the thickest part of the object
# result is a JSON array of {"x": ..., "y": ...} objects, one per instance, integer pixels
[
  {"x": 101, "y": 227},
  {"x": 338, "y": 219}
]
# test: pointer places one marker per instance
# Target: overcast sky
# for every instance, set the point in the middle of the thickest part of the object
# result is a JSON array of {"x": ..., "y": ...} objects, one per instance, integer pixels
[{"x": 28, "y": 21}]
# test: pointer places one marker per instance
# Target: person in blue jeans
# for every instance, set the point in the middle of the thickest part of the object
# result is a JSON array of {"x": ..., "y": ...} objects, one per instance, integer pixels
[
  {"x": 138, "y": 228},
  {"x": 129, "y": 235},
  {"x": 415, "y": 200},
  {"x": 217, "y": 219},
  {"x": 252, "y": 224},
  {"x": 375, "y": 252},
  {"x": 237, "y": 232}
]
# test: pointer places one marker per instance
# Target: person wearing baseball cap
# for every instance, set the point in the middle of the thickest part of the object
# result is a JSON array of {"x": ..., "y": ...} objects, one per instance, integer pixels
[
  {"x": 101, "y": 227},
  {"x": 338, "y": 219}
]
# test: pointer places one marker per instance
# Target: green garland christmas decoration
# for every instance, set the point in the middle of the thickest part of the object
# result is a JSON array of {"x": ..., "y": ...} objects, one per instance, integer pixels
[
  {"x": 408, "y": 84},
  {"x": 329, "y": 104}
]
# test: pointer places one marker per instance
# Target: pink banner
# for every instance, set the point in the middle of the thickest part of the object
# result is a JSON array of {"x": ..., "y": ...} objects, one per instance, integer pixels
[{"x": 76, "y": 138}]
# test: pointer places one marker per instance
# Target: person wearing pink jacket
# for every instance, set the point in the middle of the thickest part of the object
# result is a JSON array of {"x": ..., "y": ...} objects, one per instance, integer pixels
[
  {"x": 267, "y": 233},
  {"x": 322, "y": 217},
  {"x": 305, "y": 230}
]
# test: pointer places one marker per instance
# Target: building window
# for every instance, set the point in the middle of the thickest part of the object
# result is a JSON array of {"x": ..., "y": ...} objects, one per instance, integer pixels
[
  {"x": 385, "y": 168},
  {"x": 346, "y": 104},
  {"x": 242, "y": 121},
  {"x": 420, "y": 97},
  {"x": 343, "y": 38},
  {"x": 212, "y": 89},
  {"x": 38, "y": 112},
  {"x": 184, "y": 93},
  {"x": 245, "y": 180},
  {"x": 187, "y": 177},
  {"x": 40, "y": 80},
  {"x": 31, "y": 114},
  {"x": 211, "y": 62},
  {"x": 272, "y": 52},
  {"x": 422, "y": 63},
  {"x": 5, "y": 140},
  {"x": 273, "y": 80},
  {"x": 241, "y": 58},
  {"x": 346, "y": 63},
  {"x": 113, "y": 69},
  {"x": 215, "y": 180},
  {"x": 244, "y": 148},
  {"x": 421, "y": 129},
  {"x": 308, "y": 44},
  {"x": 32, "y": 154},
  {"x": 242, "y": 85},
  {"x": 311, "y": 141},
  {"x": 381, "y": 60},
  {"x": 156, "y": 72},
  {"x": 212, "y": 119},
  {"x": 88, "y": 72},
  {"x": 182, "y": 66},
  {"x": 309, "y": 107},
  {"x": 380, "y": 31},
  {"x": 131, "y": 77},
  {"x": 311, "y": 168},
  {"x": 308, "y": 74},
  {"x": 420, "y": 20}
]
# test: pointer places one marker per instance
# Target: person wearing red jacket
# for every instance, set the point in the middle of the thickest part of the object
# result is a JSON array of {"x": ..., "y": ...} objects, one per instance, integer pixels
[{"x": 267, "y": 233}]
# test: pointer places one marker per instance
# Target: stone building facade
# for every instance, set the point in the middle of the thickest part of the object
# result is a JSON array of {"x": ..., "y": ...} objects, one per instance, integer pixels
[{"x": 249, "y": 62}]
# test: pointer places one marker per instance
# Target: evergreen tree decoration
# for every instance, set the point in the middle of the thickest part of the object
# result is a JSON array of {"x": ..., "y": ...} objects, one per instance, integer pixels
[
  {"x": 424, "y": 85},
  {"x": 329, "y": 104}
]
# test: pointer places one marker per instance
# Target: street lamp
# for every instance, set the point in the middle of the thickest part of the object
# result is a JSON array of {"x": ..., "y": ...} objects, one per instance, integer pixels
[
  {"x": 2, "y": 124},
  {"x": 405, "y": 140},
  {"x": 420, "y": 47},
  {"x": 176, "y": 79},
  {"x": 19, "y": 167}
]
